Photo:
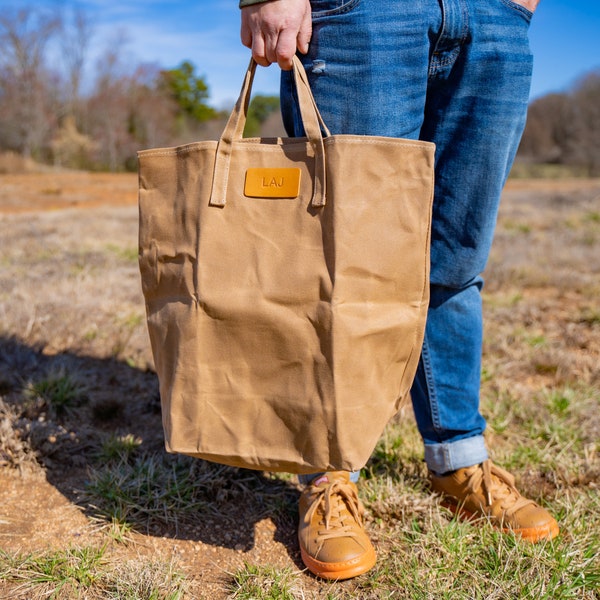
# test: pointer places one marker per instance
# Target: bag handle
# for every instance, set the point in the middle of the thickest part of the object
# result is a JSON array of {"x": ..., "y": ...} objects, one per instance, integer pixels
[{"x": 234, "y": 129}]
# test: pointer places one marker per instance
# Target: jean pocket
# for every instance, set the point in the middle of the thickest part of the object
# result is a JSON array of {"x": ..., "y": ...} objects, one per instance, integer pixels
[
  {"x": 519, "y": 8},
  {"x": 328, "y": 8}
]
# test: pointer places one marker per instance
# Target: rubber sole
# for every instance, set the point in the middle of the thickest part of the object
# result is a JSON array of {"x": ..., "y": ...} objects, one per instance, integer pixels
[
  {"x": 341, "y": 570},
  {"x": 528, "y": 534}
]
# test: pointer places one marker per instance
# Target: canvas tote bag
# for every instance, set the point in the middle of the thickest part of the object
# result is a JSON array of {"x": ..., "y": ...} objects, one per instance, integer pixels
[{"x": 286, "y": 289}]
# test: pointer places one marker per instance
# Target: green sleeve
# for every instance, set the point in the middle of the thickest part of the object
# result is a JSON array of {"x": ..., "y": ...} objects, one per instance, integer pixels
[{"x": 250, "y": 2}]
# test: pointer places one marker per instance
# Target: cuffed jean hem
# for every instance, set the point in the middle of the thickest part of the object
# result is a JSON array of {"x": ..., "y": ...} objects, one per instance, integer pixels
[
  {"x": 449, "y": 456},
  {"x": 306, "y": 479}
]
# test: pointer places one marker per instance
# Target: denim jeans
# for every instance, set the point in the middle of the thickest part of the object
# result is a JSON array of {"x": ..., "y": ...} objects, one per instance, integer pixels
[{"x": 457, "y": 73}]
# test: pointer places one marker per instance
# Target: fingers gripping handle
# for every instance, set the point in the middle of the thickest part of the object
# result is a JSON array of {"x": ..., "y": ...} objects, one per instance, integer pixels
[{"x": 313, "y": 126}]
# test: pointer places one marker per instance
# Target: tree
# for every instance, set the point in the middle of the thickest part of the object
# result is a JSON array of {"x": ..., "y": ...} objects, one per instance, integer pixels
[
  {"x": 586, "y": 99},
  {"x": 153, "y": 112},
  {"x": 75, "y": 37},
  {"x": 564, "y": 128},
  {"x": 189, "y": 91},
  {"x": 28, "y": 92},
  {"x": 108, "y": 107},
  {"x": 260, "y": 109},
  {"x": 550, "y": 129},
  {"x": 45, "y": 115}
]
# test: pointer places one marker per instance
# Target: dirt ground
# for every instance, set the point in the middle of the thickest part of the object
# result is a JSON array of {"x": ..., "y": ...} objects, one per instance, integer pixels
[
  {"x": 32, "y": 192},
  {"x": 69, "y": 312}
]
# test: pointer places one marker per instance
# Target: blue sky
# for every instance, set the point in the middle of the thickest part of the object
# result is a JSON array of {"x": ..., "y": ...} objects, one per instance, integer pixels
[{"x": 565, "y": 39}]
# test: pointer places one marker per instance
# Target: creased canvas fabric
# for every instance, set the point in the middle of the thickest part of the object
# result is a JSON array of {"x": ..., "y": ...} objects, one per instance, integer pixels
[{"x": 285, "y": 327}]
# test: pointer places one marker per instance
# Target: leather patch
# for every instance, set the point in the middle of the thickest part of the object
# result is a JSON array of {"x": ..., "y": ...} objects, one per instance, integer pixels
[{"x": 272, "y": 183}]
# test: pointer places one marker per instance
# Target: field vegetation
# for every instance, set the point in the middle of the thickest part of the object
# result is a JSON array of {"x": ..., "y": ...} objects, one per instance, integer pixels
[{"x": 92, "y": 507}]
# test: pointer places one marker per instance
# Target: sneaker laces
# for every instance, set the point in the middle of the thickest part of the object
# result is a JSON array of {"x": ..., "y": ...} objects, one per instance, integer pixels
[
  {"x": 499, "y": 486},
  {"x": 338, "y": 498}
]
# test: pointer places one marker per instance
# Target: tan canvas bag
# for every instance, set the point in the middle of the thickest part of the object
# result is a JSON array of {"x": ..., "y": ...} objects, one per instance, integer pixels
[{"x": 286, "y": 287}]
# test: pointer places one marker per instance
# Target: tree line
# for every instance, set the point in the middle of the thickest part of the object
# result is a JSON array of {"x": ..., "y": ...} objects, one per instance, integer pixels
[
  {"x": 48, "y": 115},
  {"x": 564, "y": 128}
]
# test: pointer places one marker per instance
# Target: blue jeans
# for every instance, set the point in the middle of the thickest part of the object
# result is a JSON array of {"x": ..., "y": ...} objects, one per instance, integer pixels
[{"x": 457, "y": 73}]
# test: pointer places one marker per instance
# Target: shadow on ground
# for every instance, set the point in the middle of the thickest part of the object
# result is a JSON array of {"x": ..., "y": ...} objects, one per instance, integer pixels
[{"x": 94, "y": 425}]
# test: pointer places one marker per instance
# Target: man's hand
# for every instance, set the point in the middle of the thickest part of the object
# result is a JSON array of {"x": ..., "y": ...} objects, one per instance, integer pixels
[
  {"x": 528, "y": 4},
  {"x": 275, "y": 29}
]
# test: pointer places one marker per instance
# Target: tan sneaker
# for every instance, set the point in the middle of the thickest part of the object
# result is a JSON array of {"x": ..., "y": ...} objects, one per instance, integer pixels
[
  {"x": 486, "y": 490},
  {"x": 333, "y": 542}
]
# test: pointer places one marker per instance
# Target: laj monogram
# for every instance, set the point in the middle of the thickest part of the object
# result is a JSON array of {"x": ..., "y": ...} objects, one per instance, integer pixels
[{"x": 272, "y": 183}]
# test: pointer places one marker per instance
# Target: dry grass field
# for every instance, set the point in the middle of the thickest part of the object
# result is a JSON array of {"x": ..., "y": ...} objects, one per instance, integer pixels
[{"x": 91, "y": 507}]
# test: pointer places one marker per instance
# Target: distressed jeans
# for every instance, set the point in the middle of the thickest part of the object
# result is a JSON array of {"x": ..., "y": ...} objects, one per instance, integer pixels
[{"x": 456, "y": 73}]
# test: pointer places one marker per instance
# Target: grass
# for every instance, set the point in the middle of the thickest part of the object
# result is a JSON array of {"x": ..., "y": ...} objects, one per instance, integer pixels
[
  {"x": 87, "y": 573},
  {"x": 145, "y": 580},
  {"x": 590, "y": 316},
  {"x": 267, "y": 582},
  {"x": 125, "y": 327},
  {"x": 53, "y": 572},
  {"x": 58, "y": 392},
  {"x": 523, "y": 170},
  {"x": 479, "y": 563},
  {"x": 119, "y": 448},
  {"x": 146, "y": 491},
  {"x": 128, "y": 254}
]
